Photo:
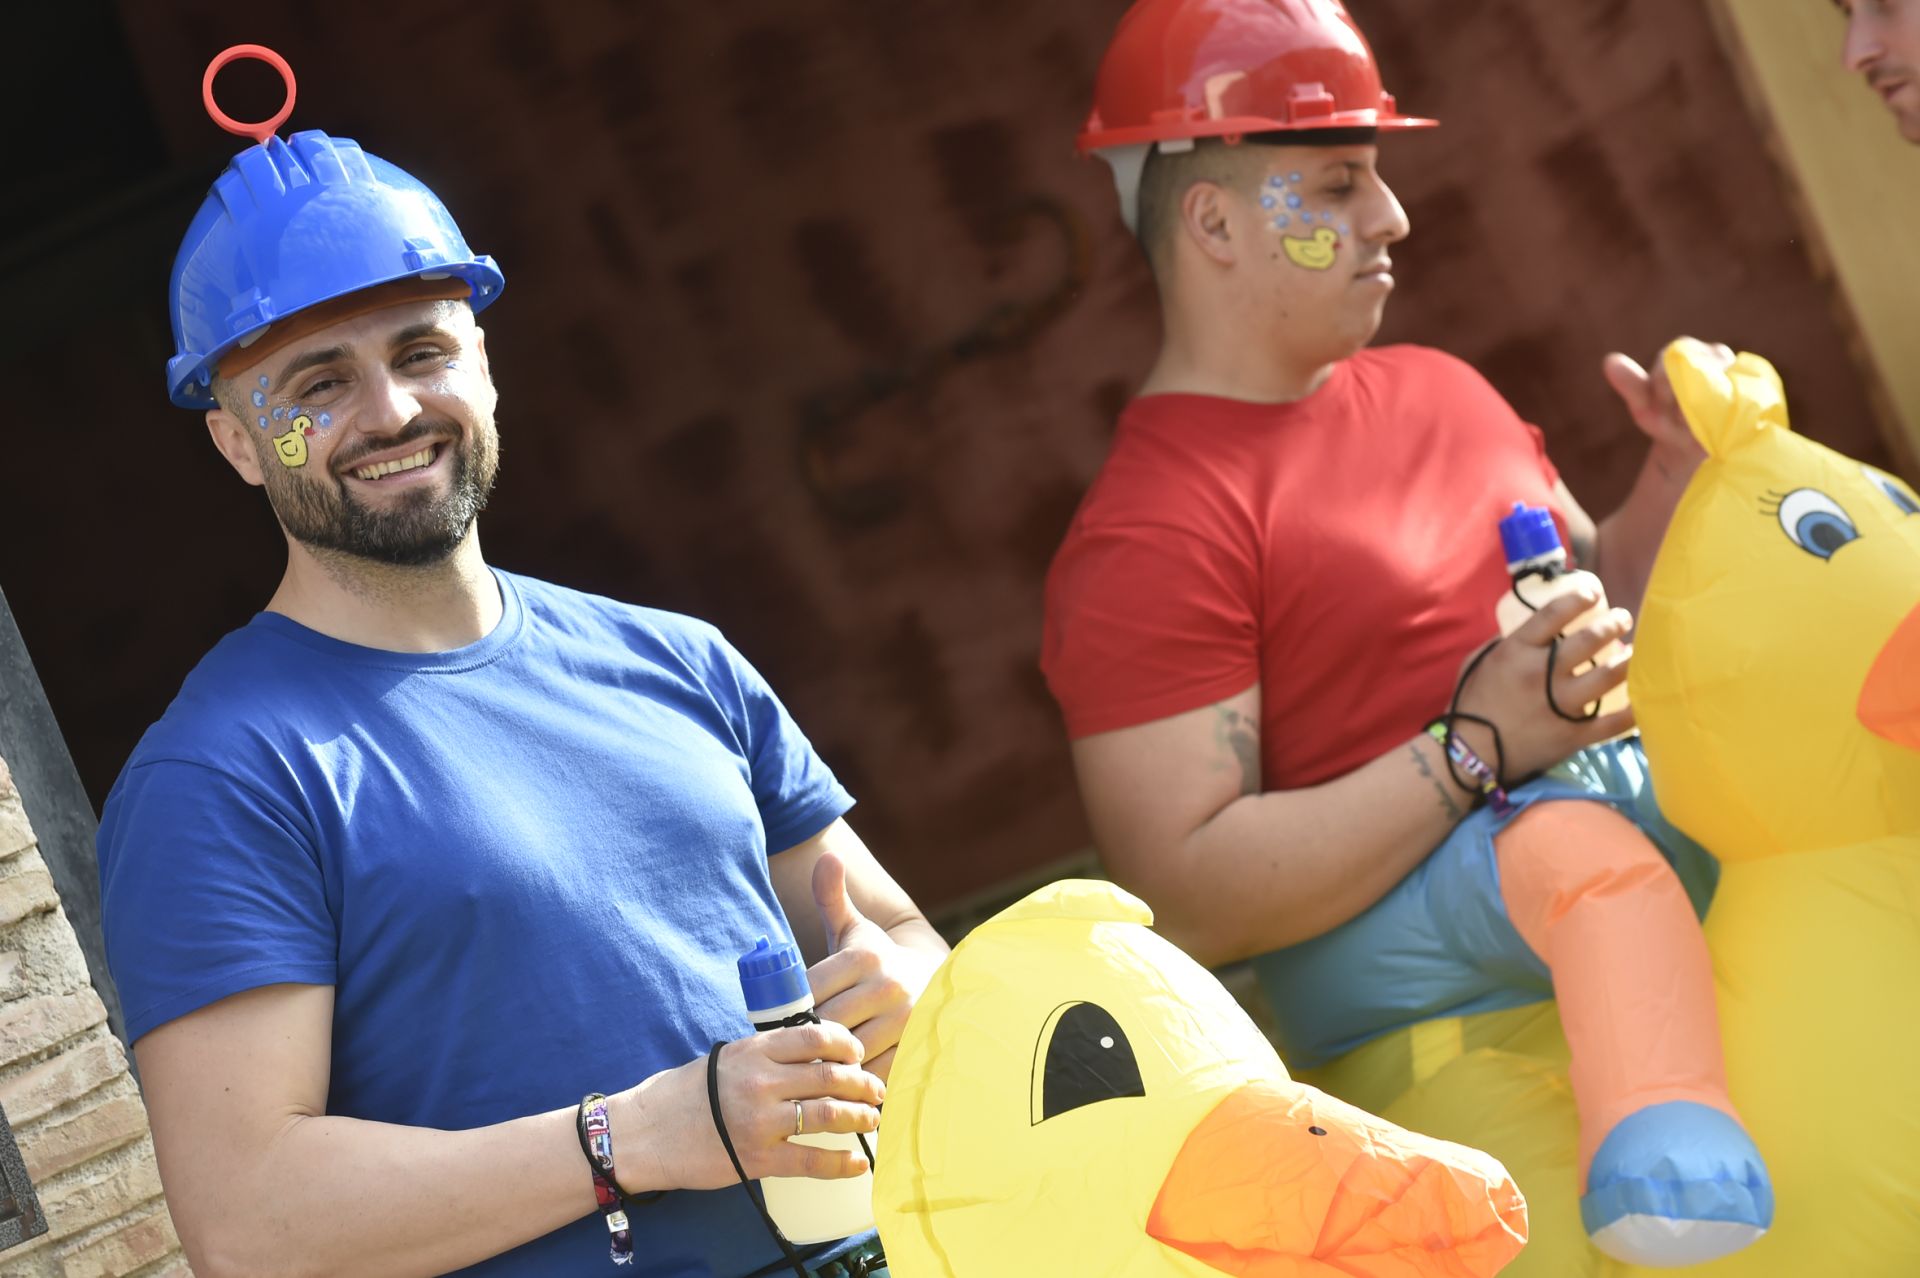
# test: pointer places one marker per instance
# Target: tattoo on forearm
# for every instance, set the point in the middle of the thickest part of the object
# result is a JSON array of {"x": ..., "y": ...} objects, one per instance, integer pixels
[
  {"x": 1240, "y": 737},
  {"x": 1439, "y": 787}
]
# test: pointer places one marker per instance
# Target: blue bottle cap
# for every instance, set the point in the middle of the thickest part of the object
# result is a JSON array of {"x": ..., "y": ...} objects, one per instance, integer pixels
[
  {"x": 772, "y": 975},
  {"x": 1529, "y": 533}
]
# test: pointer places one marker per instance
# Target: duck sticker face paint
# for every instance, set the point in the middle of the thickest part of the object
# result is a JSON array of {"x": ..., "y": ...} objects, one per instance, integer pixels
[
  {"x": 1310, "y": 247},
  {"x": 1315, "y": 254},
  {"x": 292, "y": 446}
]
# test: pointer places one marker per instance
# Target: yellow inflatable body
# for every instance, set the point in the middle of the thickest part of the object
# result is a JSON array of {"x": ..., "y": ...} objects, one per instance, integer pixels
[
  {"x": 1074, "y": 1096},
  {"x": 1777, "y": 681}
]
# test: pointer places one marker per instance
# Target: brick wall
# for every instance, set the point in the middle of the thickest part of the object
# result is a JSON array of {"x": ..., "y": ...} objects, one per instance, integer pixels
[{"x": 76, "y": 1112}]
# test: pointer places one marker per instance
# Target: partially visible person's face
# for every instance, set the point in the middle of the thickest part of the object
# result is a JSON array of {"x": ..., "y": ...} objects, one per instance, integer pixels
[
  {"x": 1883, "y": 46},
  {"x": 1321, "y": 223},
  {"x": 375, "y": 437}
]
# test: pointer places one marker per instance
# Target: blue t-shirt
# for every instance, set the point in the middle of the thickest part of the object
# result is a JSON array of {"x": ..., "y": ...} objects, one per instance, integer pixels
[{"x": 526, "y": 867}]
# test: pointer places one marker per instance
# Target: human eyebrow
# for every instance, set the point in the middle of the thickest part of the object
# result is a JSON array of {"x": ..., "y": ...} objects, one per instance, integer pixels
[
  {"x": 308, "y": 359},
  {"x": 414, "y": 332}
]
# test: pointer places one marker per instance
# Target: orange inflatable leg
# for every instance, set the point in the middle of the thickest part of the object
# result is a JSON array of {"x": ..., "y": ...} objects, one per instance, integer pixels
[{"x": 1602, "y": 908}]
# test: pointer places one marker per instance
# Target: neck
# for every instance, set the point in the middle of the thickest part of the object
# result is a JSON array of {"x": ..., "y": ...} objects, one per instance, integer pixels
[
  {"x": 1211, "y": 349},
  {"x": 428, "y": 608}
]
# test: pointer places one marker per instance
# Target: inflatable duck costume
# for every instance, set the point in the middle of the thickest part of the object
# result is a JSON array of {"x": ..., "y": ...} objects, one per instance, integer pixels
[
  {"x": 1073, "y": 1095},
  {"x": 1777, "y": 683}
]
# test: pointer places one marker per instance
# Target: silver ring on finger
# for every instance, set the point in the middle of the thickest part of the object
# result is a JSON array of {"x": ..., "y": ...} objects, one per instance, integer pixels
[{"x": 799, "y": 1120}]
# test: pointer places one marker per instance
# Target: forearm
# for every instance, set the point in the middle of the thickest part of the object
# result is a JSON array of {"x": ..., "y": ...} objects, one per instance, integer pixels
[
  {"x": 1630, "y": 537},
  {"x": 1302, "y": 862},
  {"x": 331, "y": 1195}
]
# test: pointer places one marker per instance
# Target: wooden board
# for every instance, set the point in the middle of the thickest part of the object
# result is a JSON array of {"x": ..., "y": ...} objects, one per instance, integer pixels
[{"x": 1858, "y": 182}]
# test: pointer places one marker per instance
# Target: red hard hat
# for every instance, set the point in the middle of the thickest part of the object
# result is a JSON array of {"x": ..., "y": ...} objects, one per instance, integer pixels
[{"x": 1211, "y": 68}]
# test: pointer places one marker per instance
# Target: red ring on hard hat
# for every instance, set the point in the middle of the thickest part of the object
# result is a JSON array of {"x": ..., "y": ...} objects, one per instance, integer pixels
[{"x": 265, "y": 129}]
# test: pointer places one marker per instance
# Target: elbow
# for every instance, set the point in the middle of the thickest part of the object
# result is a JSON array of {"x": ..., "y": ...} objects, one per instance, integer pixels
[
  {"x": 1201, "y": 936},
  {"x": 235, "y": 1252},
  {"x": 1182, "y": 913},
  {"x": 214, "y": 1257}
]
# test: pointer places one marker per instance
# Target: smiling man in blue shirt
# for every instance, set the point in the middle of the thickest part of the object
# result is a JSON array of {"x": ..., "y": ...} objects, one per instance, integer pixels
[{"x": 427, "y": 852}]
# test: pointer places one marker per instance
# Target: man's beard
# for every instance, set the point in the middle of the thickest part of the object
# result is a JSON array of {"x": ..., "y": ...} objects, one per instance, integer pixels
[{"x": 422, "y": 528}]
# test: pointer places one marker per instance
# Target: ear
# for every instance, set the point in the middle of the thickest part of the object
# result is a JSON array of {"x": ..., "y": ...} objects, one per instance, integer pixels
[
  {"x": 235, "y": 444},
  {"x": 1726, "y": 406},
  {"x": 1205, "y": 224}
]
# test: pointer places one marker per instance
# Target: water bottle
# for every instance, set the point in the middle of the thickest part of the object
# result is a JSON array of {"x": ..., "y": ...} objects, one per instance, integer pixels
[
  {"x": 1538, "y": 563},
  {"x": 774, "y": 982}
]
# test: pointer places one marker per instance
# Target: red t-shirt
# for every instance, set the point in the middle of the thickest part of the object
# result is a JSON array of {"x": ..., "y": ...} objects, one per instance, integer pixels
[{"x": 1341, "y": 550}]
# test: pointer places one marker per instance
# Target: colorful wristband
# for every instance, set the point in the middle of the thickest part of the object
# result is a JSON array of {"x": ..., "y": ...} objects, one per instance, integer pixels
[
  {"x": 596, "y": 1142},
  {"x": 1480, "y": 777}
]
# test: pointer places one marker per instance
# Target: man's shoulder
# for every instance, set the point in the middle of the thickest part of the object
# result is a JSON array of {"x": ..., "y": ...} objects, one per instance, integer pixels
[
  {"x": 1408, "y": 359},
  {"x": 593, "y": 617},
  {"x": 245, "y": 693}
]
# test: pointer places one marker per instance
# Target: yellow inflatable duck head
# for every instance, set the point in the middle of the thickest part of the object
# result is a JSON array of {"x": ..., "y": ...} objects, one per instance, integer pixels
[
  {"x": 1776, "y": 669},
  {"x": 1073, "y": 1095}
]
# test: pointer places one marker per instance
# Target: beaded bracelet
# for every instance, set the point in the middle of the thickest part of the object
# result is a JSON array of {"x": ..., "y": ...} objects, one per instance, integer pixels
[
  {"x": 1461, "y": 758},
  {"x": 596, "y": 1142}
]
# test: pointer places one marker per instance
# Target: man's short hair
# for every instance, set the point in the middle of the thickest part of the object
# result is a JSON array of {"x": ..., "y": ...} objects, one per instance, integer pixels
[
  {"x": 1168, "y": 176},
  {"x": 227, "y": 395}
]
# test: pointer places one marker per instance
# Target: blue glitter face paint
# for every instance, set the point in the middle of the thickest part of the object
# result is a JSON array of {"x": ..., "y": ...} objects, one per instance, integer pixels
[
  {"x": 259, "y": 399},
  {"x": 326, "y": 419},
  {"x": 1315, "y": 251},
  {"x": 263, "y": 423},
  {"x": 263, "y": 382}
]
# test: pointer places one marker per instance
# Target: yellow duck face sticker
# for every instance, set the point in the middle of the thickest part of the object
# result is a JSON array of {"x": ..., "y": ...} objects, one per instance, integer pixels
[
  {"x": 1314, "y": 254},
  {"x": 1776, "y": 672},
  {"x": 291, "y": 447},
  {"x": 1073, "y": 1095}
]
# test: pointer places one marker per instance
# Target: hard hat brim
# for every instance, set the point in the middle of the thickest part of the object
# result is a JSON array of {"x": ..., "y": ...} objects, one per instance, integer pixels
[{"x": 1234, "y": 128}]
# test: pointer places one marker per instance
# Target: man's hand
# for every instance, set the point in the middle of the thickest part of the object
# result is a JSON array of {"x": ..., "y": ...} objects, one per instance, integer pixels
[
  {"x": 1509, "y": 688},
  {"x": 868, "y": 982},
  {"x": 1649, "y": 399},
  {"x": 663, "y": 1131}
]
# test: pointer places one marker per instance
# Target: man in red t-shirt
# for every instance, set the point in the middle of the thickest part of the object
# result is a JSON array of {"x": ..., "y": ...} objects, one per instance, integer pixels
[{"x": 1270, "y": 591}]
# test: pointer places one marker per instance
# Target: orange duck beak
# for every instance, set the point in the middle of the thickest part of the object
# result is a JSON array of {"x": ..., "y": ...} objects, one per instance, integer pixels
[
  {"x": 1280, "y": 1175},
  {"x": 1890, "y": 698}
]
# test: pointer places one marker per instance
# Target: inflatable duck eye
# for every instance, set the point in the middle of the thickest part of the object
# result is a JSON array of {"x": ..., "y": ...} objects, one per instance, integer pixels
[
  {"x": 1084, "y": 1058},
  {"x": 1897, "y": 492},
  {"x": 1814, "y": 522}
]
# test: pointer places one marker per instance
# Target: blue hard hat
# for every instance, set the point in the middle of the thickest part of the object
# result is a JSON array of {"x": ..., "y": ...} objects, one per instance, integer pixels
[{"x": 291, "y": 224}]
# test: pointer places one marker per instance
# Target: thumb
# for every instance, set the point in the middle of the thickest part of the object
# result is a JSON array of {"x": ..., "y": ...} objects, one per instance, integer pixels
[
  {"x": 837, "y": 909},
  {"x": 1629, "y": 381}
]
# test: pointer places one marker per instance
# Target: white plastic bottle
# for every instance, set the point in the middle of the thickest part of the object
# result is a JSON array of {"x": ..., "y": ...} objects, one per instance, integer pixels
[
  {"x": 774, "y": 982},
  {"x": 1538, "y": 564}
]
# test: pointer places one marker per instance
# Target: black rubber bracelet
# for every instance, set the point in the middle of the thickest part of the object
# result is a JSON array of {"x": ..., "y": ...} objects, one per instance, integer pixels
[{"x": 758, "y": 1200}]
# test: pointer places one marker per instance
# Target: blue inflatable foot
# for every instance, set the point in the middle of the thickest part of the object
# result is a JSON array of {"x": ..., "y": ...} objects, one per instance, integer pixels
[{"x": 1676, "y": 1184}]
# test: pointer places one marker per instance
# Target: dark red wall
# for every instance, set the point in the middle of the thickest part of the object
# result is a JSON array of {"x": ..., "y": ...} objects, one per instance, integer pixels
[{"x": 816, "y": 328}]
